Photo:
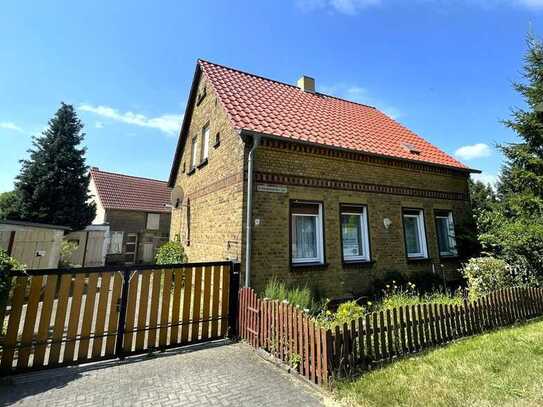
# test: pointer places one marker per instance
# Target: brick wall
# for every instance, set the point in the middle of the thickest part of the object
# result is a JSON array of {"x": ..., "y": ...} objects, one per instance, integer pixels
[
  {"x": 214, "y": 190},
  {"x": 303, "y": 172}
]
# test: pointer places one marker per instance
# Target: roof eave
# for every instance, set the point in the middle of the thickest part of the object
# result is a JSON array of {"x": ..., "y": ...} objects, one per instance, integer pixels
[{"x": 283, "y": 138}]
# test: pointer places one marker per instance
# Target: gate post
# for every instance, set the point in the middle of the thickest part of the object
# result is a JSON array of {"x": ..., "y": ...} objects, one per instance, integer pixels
[
  {"x": 233, "y": 300},
  {"x": 119, "y": 349}
]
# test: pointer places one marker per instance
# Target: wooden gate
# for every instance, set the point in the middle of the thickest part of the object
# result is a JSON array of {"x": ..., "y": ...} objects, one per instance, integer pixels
[{"x": 70, "y": 316}]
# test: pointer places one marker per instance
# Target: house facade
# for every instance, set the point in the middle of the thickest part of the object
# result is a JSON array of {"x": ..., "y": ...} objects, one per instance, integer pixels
[
  {"x": 137, "y": 212},
  {"x": 327, "y": 192}
]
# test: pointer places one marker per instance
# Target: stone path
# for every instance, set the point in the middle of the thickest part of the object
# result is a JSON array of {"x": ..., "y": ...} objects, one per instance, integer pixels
[{"x": 210, "y": 375}]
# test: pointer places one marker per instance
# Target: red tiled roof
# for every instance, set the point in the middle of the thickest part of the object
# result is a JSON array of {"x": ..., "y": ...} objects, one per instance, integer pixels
[
  {"x": 266, "y": 106},
  {"x": 119, "y": 191}
]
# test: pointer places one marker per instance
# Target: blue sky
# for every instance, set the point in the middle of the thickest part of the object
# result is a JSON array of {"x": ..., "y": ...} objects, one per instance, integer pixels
[{"x": 442, "y": 68}]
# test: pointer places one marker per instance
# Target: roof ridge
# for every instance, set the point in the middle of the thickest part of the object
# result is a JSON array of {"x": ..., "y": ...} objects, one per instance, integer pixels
[
  {"x": 129, "y": 176},
  {"x": 284, "y": 83}
]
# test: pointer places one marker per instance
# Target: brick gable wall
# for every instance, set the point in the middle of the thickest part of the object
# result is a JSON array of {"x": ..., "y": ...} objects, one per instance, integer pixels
[{"x": 215, "y": 190}]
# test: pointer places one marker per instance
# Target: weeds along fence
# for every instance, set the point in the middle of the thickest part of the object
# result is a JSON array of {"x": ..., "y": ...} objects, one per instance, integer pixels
[{"x": 321, "y": 354}]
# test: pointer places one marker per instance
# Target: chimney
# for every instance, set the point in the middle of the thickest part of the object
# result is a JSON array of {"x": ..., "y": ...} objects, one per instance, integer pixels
[{"x": 307, "y": 84}]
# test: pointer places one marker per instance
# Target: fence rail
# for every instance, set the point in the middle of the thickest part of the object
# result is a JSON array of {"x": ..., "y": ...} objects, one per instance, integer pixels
[
  {"x": 319, "y": 354},
  {"x": 68, "y": 316}
]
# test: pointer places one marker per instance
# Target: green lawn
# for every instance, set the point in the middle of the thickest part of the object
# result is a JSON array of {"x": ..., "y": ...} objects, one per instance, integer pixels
[{"x": 495, "y": 369}]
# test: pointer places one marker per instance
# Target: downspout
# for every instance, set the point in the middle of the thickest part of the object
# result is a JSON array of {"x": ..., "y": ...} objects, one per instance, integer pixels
[{"x": 249, "y": 214}]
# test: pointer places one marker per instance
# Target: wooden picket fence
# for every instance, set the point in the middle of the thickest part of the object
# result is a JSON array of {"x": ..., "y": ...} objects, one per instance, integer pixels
[
  {"x": 291, "y": 336},
  {"x": 58, "y": 317},
  {"x": 287, "y": 333}
]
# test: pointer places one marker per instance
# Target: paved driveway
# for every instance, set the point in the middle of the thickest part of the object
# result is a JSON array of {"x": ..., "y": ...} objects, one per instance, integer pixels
[{"x": 227, "y": 375}]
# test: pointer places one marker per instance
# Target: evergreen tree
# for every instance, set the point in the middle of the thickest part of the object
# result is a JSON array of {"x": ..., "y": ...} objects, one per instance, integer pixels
[
  {"x": 53, "y": 183},
  {"x": 482, "y": 196},
  {"x": 521, "y": 182}
]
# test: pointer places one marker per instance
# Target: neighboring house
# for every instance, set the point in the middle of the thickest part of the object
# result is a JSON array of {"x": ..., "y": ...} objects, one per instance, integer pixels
[
  {"x": 340, "y": 192},
  {"x": 137, "y": 212},
  {"x": 36, "y": 245}
]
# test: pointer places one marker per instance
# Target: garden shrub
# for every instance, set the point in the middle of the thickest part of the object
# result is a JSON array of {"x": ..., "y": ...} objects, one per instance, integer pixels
[
  {"x": 348, "y": 311},
  {"x": 486, "y": 274},
  {"x": 67, "y": 248},
  {"x": 171, "y": 253},
  {"x": 7, "y": 263}
]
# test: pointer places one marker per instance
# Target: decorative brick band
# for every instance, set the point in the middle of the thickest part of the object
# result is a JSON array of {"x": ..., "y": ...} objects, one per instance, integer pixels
[
  {"x": 351, "y": 155},
  {"x": 300, "y": 181},
  {"x": 216, "y": 186}
]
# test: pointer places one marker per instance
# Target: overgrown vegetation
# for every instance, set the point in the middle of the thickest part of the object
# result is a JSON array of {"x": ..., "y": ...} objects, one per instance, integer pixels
[
  {"x": 495, "y": 369},
  {"x": 67, "y": 248},
  {"x": 7, "y": 263},
  {"x": 171, "y": 253},
  {"x": 299, "y": 297}
]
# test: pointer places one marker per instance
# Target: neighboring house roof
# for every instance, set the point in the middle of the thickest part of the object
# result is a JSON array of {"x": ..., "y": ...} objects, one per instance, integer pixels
[
  {"x": 268, "y": 107},
  {"x": 33, "y": 224},
  {"x": 119, "y": 191}
]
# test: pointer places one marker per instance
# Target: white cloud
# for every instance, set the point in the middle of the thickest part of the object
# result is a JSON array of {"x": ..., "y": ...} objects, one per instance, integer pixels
[
  {"x": 531, "y": 3},
  {"x": 167, "y": 123},
  {"x": 360, "y": 94},
  {"x": 11, "y": 126},
  {"x": 485, "y": 178},
  {"x": 470, "y": 152},
  {"x": 349, "y": 7},
  {"x": 99, "y": 125}
]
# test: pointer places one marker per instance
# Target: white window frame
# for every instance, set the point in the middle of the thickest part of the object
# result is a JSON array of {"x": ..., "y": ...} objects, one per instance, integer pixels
[
  {"x": 116, "y": 247},
  {"x": 451, "y": 234},
  {"x": 423, "y": 254},
  {"x": 364, "y": 235},
  {"x": 319, "y": 235},
  {"x": 153, "y": 221},
  {"x": 205, "y": 142},
  {"x": 194, "y": 153}
]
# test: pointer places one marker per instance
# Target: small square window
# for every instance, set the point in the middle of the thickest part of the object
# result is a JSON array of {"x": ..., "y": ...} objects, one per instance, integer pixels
[
  {"x": 415, "y": 233},
  {"x": 153, "y": 221},
  {"x": 446, "y": 237}
]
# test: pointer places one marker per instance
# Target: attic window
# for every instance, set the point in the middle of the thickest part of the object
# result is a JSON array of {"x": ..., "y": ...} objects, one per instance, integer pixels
[
  {"x": 201, "y": 96},
  {"x": 411, "y": 148}
]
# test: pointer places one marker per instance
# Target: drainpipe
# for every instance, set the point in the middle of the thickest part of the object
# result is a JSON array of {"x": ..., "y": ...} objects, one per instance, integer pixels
[{"x": 249, "y": 219}]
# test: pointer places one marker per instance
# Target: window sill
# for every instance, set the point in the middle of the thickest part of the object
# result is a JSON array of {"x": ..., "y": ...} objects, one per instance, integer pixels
[
  {"x": 301, "y": 266},
  {"x": 418, "y": 259},
  {"x": 202, "y": 164},
  {"x": 355, "y": 263},
  {"x": 449, "y": 257},
  {"x": 191, "y": 171}
]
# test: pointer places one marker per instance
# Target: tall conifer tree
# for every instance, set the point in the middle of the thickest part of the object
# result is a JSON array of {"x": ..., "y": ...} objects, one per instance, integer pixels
[{"x": 52, "y": 186}]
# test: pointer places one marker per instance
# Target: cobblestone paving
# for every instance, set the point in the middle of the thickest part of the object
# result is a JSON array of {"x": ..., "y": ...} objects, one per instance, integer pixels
[{"x": 228, "y": 375}]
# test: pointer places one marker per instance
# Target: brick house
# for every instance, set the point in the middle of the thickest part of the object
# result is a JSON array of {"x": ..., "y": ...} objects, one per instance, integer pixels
[
  {"x": 338, "y": 193},
  {"x": 137, "y": 212}
]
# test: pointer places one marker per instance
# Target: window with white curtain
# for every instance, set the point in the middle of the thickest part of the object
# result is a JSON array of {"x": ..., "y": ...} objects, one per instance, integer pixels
[
  {"x": 354, "y": 233},
  {"x": 446, "y": 237},
  {"x": 153, "y": 221},
  {"x": 415, "y": 233},
  {"x": 205, "y": 142},
  {"x": 116, "y": 243},
  {"x": 194, "y": 153},
  {"x": 307, "y": 233}
]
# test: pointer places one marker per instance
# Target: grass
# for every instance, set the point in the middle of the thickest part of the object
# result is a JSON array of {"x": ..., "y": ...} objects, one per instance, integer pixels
[{"x": 495, "y": 369}]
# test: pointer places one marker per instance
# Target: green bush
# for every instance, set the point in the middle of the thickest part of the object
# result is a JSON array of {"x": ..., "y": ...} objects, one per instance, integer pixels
[
  {"x": 170, "y": 253},
  {"x": 7, "y": 263},
  {"x": 348, "y": 311},
  {"x": 486, "y": 274},
  {"x": 67, "y": 248}
]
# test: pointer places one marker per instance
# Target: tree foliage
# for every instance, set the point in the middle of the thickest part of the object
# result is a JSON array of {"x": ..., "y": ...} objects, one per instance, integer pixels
[
  {"x": 52, "y": 186},
  {"x": 8, "y": 205},
  {"x": 171, "y": 253},
  {"x": 511, "y": 223}
]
